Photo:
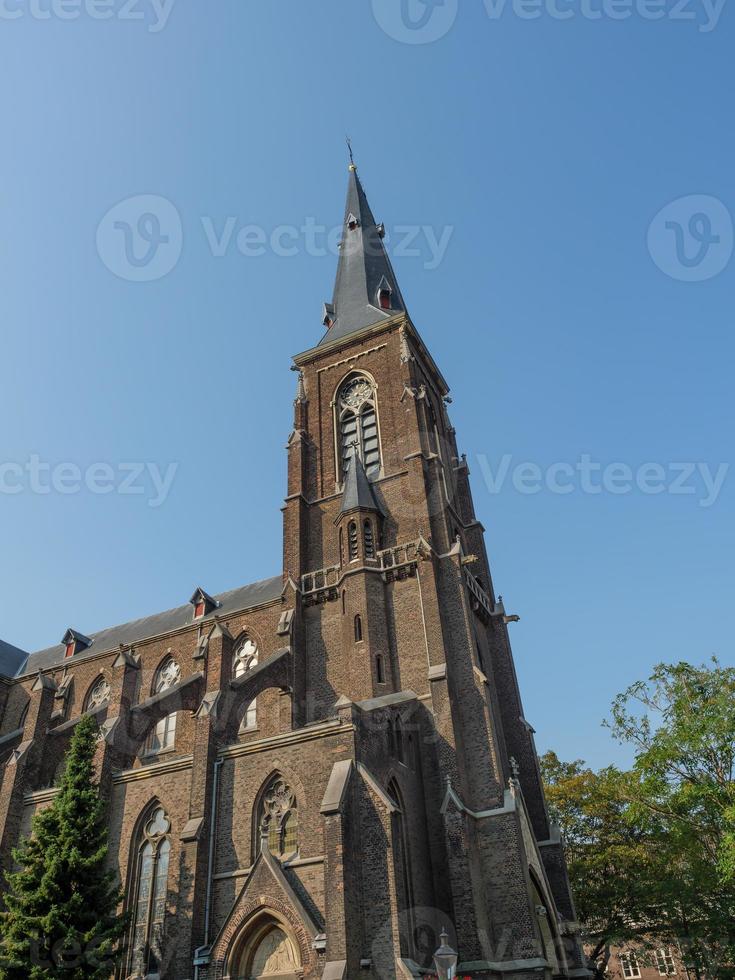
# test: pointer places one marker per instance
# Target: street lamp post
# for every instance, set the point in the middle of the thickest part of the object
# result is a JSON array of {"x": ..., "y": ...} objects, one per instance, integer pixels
[{"x": 445, "y": 959}]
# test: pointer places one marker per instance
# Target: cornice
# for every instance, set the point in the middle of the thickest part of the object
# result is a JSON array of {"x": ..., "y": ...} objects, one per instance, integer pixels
[
  {"x": 179, "y": 764},
  {"x": 309, "y": 734}
]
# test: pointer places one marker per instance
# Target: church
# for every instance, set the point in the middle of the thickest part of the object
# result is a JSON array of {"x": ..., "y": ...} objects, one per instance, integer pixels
[{"x": 316, "y": 775}]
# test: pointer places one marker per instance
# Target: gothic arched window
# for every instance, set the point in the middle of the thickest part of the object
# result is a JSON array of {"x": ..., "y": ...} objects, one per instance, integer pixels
[
  {"x": 163, "y": 733},
  {"x": 149, "y": 894},
  {"x": 402, "y": 866},
  {"x": 278, "y": 818},
  {"x": 98, "y": 694},
  {"x": 357, "y": 423},
  {"x": 358, "y": 628},
  {"x": 245, "y": 657}
]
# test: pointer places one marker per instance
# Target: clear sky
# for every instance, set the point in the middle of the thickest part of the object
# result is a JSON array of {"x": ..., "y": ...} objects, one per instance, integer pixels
[{"x": 542, "y": 137}]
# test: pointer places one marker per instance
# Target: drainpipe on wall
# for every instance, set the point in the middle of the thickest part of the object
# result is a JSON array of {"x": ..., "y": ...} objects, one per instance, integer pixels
[{"x": 202, "y": 953}]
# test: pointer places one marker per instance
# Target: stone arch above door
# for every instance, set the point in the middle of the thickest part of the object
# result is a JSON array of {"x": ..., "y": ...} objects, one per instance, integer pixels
[
  {"x": 268, "y": 952},
  {"x": 241, "y": 940}
]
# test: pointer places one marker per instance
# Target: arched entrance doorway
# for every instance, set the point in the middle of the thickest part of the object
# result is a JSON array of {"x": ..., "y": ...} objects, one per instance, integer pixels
[{"x": 268, "y": 953}]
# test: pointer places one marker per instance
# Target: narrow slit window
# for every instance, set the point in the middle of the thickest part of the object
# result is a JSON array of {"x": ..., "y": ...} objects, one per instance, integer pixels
[
  {"x": 380, "y": 674},
  {"x": 358, "y": 628},
  {"x": 369, "y": 540}
]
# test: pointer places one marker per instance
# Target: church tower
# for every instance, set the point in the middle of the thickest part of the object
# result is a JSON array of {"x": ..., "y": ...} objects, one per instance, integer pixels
[
  {"x": 315, "y": 775},
  {"x": 399, "y": 631}
]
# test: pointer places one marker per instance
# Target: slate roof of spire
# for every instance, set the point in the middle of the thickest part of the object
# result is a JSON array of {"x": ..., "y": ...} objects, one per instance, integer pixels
[
  {"x": 363, "y": 268},
  {"x": 14, "y": 662},
  {"x": 357, "y": 492}
]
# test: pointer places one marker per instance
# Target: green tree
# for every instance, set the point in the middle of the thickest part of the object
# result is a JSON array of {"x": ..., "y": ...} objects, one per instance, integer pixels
[
  {"x": 609, "y": 858},
  {"x": 651, "y": 851},
  {"x": 60, "y": 917},
  {"x": 681, "y": 725}
]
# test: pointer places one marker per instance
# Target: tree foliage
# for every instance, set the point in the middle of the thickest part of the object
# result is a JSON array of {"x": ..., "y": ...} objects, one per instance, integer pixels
[
  {"x": 651, "y": 851},
  {"x": 60, "y": 917}
]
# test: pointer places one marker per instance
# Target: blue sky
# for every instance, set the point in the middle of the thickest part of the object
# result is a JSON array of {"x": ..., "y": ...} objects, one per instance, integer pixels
[{"x": 543, "y": 147}]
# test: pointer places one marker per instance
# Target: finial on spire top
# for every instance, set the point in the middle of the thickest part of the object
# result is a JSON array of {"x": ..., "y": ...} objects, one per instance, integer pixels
[{"x": 349, "y": 149}]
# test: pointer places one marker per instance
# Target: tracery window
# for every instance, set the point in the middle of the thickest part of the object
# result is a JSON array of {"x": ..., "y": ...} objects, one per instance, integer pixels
[
  {"x": 279, "y": 818},
  {"x": 245, "y": 657},
  {"x": 168, "y": 674},
  {"x": 357, "y": 423},
  {"x": 99, "y": 693},
  {"x": 163, "y": 734},
  {"x": 149, "y": 890}
]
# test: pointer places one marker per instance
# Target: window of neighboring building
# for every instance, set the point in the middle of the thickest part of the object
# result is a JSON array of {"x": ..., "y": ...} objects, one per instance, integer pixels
[
  {"x": 629, "y": 964},
  {"x": 149, "y": 891},
  {"x": 665, "y": 962}
]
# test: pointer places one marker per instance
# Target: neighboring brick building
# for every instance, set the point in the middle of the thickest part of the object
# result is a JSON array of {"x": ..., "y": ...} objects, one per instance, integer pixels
[
  {"x": 310, "y": 776},
  {"x": 638, "y": 962}
]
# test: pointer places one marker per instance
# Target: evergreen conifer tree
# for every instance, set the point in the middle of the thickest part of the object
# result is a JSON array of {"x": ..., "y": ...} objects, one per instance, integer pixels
[{"x": 61, "y": 906}]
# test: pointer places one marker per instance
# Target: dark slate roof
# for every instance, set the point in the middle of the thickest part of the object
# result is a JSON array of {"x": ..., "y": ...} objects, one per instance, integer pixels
[
  {"x": 362, "y": 267},
  {"x": 140, "y": 629},
  {"x": 357, "y": 492},
  {"x": 11, "y": 659}
]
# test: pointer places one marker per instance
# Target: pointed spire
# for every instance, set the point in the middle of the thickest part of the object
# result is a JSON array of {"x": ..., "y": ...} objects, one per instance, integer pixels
[
  {"x": 365, "y": 290},
  {"x": 357, "y": 493},
  {"x": 300, "y": 389}
]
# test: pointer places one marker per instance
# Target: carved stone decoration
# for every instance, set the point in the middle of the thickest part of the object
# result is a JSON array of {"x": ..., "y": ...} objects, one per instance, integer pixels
[{"x": 277, "y": 802}]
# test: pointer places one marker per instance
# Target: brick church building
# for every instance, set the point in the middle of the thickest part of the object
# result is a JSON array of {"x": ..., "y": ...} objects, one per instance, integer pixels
[{"x": 312, "y": 775}]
